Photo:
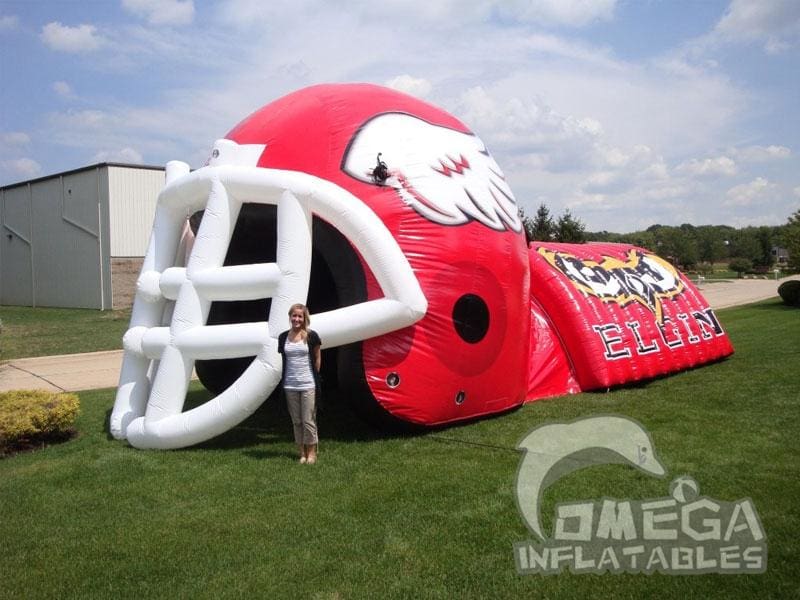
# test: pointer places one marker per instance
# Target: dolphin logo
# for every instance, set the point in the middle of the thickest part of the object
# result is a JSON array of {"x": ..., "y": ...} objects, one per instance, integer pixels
[{"x": 552, "y": 451}]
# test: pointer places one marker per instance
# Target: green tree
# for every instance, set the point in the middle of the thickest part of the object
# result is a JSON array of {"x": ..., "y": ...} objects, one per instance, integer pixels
[
  {"x": 643, "y": 239},
  {"x": 601, "y": 236},
  {"x": 743, "y": 243},
  {"x": 711, "y": 245},
  {"x": 542, "y": 228},
  {"x": 740, "y": 265},
  {"x": 766, "y": 241},
  {"x": 678, "y": 245},
  {"x": 570, "y": 229},
  {"x": 791, "y": 240}
]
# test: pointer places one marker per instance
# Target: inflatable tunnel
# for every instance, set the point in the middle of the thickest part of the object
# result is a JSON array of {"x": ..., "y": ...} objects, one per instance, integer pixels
[
  {"x": 390, "y": 219},
  {"x": 611, "y": 314}
]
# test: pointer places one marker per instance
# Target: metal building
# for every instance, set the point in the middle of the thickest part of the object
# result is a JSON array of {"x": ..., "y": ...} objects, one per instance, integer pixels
[{"x": 77, "y": 239}]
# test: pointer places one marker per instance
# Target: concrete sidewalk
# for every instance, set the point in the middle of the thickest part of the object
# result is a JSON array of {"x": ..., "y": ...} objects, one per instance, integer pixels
[
  {"x": 726, "y": 293},
  {"x": 74, "y": 372},
  {"x": 65, "y": 373}
]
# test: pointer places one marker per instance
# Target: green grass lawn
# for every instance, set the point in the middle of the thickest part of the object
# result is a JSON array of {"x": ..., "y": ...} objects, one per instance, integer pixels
[
  {"x": 27, "y": 332},
  {"x": 431, "y": 515}
]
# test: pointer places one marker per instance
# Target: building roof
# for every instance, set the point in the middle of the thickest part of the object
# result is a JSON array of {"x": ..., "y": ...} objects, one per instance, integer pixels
[{"x": 79, "y": 170}]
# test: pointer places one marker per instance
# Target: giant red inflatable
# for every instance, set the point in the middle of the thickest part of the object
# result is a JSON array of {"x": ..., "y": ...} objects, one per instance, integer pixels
[{"x": 391, "y": 220}]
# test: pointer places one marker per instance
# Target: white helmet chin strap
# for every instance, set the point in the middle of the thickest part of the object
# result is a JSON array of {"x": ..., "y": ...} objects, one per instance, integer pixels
[{"x": 158, "y": 360}]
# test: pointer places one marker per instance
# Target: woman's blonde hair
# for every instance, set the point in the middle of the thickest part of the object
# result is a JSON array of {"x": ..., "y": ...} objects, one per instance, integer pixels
[{"x": 306, "y": 316}]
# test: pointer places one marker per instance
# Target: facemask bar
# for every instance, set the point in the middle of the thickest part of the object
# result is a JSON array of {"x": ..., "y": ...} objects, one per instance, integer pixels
[{"x": 158, "y": 360}]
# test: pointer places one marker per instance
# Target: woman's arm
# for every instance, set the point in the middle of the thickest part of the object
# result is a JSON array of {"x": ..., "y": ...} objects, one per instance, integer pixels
[{"x": 317, "y": 358}]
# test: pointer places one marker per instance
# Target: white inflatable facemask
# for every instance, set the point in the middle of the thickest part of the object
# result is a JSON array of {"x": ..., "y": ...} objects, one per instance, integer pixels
[{"x": 159, "y": 358}]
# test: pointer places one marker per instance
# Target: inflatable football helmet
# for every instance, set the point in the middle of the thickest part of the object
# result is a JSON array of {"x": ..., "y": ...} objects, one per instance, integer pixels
[{"x": 382, "y": 213}]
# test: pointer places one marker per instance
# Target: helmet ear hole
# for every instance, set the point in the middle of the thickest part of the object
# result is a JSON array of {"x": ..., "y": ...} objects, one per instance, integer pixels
[{"x": 471, "y": 318}]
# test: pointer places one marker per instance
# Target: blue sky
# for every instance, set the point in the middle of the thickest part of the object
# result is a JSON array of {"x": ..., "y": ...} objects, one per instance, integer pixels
[{"x": 626, "y": 112}]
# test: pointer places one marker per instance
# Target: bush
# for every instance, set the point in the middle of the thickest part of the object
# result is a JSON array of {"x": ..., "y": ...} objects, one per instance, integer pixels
[
  {"x": 789, "y": 291},
  {"x": 31, "y": 416},
  {"x": 760, "y": 270}
]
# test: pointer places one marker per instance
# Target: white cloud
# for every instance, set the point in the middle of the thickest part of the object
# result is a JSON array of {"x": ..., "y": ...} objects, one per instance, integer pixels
[
  {"x": 440, "y": 11},
  {"x": 15, "y": 138},
  {"x": 582, "y": 162},
  {"x": 636, "y": 104},
  {"x": 709, "y": 167},
  {"x": 796, "y": 191},
  {"x": 761, "y": 154},
  {"x": 436, "y": 15},
  {"x": 83, "y": 119},
  {"x": 776, "y": 23},
  {"x": 14, "y": 143},
  {"x": 83, "y": 38},
  {"x": 63, "y": 89},
  {"x": 548, "y": 46},
  {"x": 22, "y": 167},
  {"x": 573, "y": 13},
  {"x": 126, "y": 155},
  {"x": 512, "y": 125},
  {"x": 8, "y": 22},
  {"x": 568, "y": 161},
  {"x": 410, "y": 85},
  {"x": 570, "y": 122},
  {"x": 756, "y": 220},
  {"x": 184, "y": 128},
  {"x": 162, "y": 12},
  {"x": 605, "y": 182},
  {"x": 758, "y": 191},
  {"x": 246, "y": 14}
]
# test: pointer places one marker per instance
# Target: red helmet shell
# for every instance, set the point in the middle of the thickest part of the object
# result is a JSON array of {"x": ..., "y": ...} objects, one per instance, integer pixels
[{"x": 450, "y": 211}]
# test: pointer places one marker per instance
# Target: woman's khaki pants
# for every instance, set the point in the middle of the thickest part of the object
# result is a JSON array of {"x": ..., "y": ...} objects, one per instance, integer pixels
[{"x": 303, "y": 411}]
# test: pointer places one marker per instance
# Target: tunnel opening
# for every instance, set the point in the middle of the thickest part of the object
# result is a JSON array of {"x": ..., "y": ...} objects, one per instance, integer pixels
[{"x": 336, "y": 280}]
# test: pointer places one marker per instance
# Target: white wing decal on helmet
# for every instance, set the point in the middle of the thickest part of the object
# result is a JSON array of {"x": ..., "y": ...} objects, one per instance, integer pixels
[{"x": 446, "y": 176}]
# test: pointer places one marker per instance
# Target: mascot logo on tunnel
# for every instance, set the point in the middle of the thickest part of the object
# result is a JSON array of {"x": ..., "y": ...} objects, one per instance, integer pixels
[
  {"x": 643, "y": 278},
  {"x": 447, "y": 176}
]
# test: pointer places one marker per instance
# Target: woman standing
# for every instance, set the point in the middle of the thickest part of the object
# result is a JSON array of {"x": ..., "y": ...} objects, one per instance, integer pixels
[{"x": 300, "y": 347}]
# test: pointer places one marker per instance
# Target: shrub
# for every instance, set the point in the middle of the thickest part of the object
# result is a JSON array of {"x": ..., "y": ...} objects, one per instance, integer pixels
[
  {"x": 31, "y": 416},
  {"x": 759, "y": 270},
  {"x": 789, "y": 291}
]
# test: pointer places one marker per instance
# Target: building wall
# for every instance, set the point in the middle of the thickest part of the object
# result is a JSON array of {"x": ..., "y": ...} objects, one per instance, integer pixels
[
  {"x": 67, "y": 234},
  {"x": 68, "y": 216},
  {"x": 16, "y": 255},
  {"x": 133, "y": 193},
  {"x": 77, "y": 239}
]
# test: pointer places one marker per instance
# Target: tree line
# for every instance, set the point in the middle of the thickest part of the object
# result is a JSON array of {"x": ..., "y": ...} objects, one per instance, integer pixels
[
  {"x": 688, "y": 246},
  {"x": 543, "y": 228}
]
